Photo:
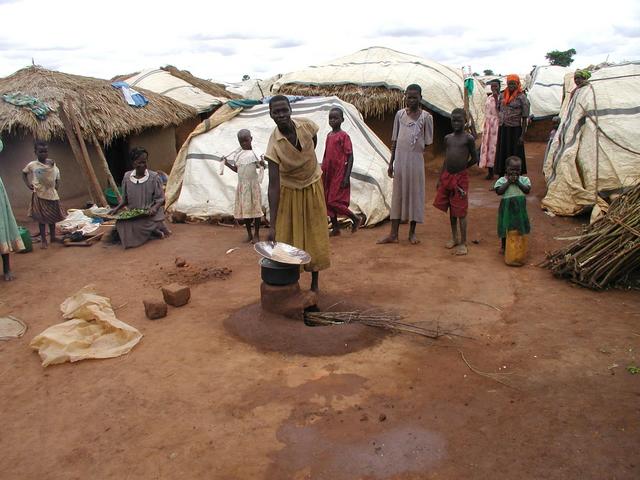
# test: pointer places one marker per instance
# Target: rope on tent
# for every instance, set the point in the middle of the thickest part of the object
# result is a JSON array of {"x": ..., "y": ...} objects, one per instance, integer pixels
[
  {"x": 595, "y": 108},
  {"x": 630, "y": 150}
]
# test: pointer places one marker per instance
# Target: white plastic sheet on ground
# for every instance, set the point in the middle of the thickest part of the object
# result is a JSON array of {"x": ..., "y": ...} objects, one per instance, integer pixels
[
  {"x": 91, "y": 331},
  {"x": 442, "y": 88},
  {"x": 574, "y": 168},
  {"x": 205, "y": 193}
]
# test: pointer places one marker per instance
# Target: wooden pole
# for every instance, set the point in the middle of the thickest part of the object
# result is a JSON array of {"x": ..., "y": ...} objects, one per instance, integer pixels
[
  {"x": 105, "y": 167},
  {"x": 93, "y": 179},
  {"x": 75, "y": 148}
]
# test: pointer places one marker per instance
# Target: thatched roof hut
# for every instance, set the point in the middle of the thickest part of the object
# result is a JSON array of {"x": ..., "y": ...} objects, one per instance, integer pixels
[{"x": 100, "y": 108}]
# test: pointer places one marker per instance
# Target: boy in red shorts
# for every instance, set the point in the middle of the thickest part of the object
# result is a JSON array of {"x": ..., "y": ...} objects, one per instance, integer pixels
[{"x": 453, "y": 184}]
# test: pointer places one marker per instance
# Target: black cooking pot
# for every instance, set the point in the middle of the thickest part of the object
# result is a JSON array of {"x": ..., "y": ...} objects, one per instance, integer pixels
[{"x": 277, "y": 273}]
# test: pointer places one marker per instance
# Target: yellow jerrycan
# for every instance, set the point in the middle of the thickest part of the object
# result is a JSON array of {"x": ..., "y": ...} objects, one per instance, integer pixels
[{"x": 515, "y": 252}]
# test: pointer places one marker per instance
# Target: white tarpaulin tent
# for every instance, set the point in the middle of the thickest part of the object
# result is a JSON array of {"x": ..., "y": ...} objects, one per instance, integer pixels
[
  {"x": 253, "y": 89},
  {"x": 545, "y": 86},
  {"x": 205, "y": 193},
  {"x": 162, "y": 82},
  {"x": 442, "y": 86},
  {"x": 575, "y": 169}
]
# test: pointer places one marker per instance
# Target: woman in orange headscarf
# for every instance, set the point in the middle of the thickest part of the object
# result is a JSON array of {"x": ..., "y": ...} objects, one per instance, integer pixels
[{"x": 513, "y": 109}]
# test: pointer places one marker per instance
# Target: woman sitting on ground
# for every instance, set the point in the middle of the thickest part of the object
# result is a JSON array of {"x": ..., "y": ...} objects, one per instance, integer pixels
[{"x": 141, "y": 189}]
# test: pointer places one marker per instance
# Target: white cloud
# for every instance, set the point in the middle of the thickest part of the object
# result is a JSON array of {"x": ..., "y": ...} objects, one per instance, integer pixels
[{"x": 224, "y": 41}]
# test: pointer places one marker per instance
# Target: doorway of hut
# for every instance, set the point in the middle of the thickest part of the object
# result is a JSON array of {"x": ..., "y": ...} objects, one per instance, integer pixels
[
  {"x": 117, "y": 154},
  {"x": 382, "y": 126}
]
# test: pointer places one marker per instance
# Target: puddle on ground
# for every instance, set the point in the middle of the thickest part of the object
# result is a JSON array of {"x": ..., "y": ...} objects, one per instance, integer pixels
[{"x": 393, "y": 450}]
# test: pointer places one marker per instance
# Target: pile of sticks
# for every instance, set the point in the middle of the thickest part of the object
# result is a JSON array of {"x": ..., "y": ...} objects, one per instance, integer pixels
[
  {"x": 607, "y": 253},
  {"x": 387, "y": 321}
]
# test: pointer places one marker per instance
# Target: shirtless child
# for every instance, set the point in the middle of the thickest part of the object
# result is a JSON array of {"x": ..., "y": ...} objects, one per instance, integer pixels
[{"x": 453, "y": 184}]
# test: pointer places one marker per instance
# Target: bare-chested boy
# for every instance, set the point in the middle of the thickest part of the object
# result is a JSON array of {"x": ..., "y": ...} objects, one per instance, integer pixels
[{"x": 453, "y": 184}]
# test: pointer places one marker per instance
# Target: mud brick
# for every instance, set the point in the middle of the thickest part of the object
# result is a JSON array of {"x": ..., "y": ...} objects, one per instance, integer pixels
[
  {"x": 155, "y": 308},
  {"x": 176, "y": 295}
]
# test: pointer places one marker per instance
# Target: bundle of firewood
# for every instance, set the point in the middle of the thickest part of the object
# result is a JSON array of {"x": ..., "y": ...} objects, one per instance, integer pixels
[{"x": 607, "y": 253}]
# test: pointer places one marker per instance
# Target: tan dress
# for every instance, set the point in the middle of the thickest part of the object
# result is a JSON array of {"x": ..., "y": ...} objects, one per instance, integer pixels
[{"x": 302, "y": 212}]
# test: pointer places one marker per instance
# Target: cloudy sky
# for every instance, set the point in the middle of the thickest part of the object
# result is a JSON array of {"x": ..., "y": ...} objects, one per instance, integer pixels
[{"x": 225, "y": 40}]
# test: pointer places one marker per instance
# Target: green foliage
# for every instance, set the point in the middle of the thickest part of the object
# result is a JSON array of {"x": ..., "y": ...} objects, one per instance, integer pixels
[
  {"x": 133, "y": 213},
  {"x": 561, "y": 58},
  {"x": 633, "y": 370},
  {"x": 488, "y": 72},
  {"x": 246, "y": 77}
]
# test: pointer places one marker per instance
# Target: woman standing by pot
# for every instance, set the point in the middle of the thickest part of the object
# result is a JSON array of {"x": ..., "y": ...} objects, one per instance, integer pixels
[
  {"x": 514, "y": 117},
  {"x": 490, "y": 131}
]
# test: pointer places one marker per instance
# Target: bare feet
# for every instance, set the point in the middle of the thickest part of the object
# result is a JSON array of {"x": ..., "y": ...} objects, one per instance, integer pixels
[
  {"x": 461, "y": 249},
  {"x": 8, "y": 276},
  {"x": 450, "y": 244},
  {"x": 334, "y": 232},
  {"x": 249, "y": 240},
  {"x": 413, "y": 239},
  {"x": 388, "y": 239},
  {"x": 44, "y": 245}
]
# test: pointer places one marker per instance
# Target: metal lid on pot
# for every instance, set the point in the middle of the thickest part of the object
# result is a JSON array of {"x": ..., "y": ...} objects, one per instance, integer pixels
[{"x": 282, "y": 253}]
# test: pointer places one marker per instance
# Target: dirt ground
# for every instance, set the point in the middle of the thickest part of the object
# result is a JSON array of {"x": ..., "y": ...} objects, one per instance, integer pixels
[{"x": 195, "y": 400}]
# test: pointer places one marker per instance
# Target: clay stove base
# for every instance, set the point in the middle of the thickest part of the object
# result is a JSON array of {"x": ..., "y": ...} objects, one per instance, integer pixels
[
  {"x": 287, "y": 300},
  {"x": 272, "y": 332}
]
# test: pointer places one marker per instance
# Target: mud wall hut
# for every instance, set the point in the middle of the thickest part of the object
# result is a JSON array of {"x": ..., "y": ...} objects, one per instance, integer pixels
[{"x": 101, "y": 110}]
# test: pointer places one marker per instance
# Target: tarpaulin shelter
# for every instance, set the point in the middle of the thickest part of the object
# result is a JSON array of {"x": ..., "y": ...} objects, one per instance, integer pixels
[
  {"x": 196, "y": 187},
  {"x": 597, "y": 147}
]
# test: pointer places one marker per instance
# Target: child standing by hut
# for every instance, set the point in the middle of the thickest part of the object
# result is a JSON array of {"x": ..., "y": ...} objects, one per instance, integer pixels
[
  {"x": 250, "y": 170},
  {"x": 513, "y": 187},
  {"x": 42, "y": 177},
  {"x": 336, "y": 170},
  {"x": 453, "y": 184},
  {"x": 412, "y": 132}
]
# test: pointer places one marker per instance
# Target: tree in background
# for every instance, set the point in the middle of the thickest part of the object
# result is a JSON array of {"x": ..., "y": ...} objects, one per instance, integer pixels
[
  {"x": 488, "y": 72},
  {"x": 563, "y": 59},
  {"x": 245, "y": 78}
]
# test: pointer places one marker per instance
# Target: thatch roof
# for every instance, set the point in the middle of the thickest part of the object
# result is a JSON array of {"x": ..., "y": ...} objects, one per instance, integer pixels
[
  {"x": 370, "y": 101},
  {"x": 99, "y": 107},
  {"x": 212, "y": 88}
]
